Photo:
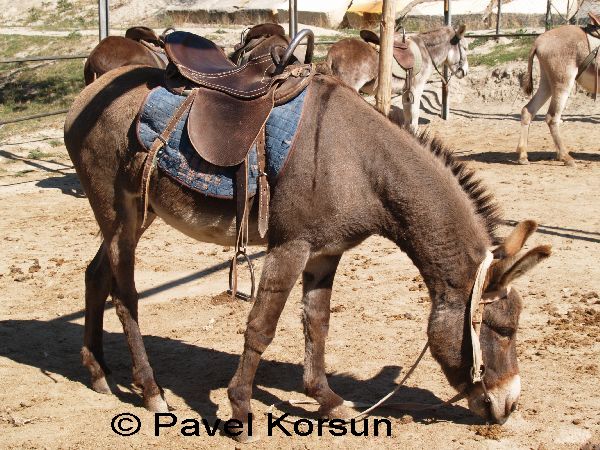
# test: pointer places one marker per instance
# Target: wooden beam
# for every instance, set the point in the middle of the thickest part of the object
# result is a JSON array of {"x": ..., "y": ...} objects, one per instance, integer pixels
[
  {"x": 383, "y": 98},
  {"x": 445, "y": 105},
  {"x": 498, "y": 18}
]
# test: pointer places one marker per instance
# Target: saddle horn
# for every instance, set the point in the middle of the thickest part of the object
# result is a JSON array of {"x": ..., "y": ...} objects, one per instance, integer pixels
[{"x": 310, "y": 46}]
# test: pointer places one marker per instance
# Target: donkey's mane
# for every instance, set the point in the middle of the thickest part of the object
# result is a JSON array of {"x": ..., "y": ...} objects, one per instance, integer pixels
[
  {"x": 485, "y": 203},
  {"x": 435, "y": 37}
]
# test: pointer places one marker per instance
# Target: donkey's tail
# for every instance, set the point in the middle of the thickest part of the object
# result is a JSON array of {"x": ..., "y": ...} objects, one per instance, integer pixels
[
  {"x": 89, "y": 74},
  {"x": 527, "y": 80}
]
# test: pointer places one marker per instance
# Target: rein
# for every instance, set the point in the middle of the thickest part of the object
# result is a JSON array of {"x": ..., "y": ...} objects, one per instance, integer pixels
[{"x": 477, "y": 303}]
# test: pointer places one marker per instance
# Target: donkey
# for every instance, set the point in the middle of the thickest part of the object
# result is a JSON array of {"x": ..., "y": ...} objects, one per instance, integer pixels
[
  {"x": 140, "y": 46},
  {"x": 562, "y": 54},
  {"x": 332, "y": 196},
  {"x": 356, "y": 63}
]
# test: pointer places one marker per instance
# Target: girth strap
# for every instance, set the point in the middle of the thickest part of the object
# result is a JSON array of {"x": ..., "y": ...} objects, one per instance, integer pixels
[{"x": 243, "y": 204}]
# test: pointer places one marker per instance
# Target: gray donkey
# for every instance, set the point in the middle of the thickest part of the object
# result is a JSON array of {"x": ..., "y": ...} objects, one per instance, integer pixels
[
  {"x": 356, "y": 63},
  {"x": 567, "y": 55}
]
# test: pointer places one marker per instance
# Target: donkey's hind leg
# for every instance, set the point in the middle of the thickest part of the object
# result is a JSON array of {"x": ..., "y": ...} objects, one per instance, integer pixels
[
  {"x": 560, "y": 95},
  {"x": 98, "y": 278},
  {"x": 528, "y": 112},
  {"x": 317, "y": 282},
  {"x": 121, "y": 254}
]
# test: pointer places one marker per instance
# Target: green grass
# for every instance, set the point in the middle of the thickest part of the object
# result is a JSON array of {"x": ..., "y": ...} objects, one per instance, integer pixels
[
  {"x": 50, "y": 87},
  {"x": 518, "y": 50},
  {"x": 12, "y": 46},
  {"x": 38, "y": 154}
]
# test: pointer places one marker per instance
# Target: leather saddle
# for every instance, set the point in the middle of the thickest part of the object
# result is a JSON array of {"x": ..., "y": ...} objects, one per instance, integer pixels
[
  {"x": 255, "y": 36},
  {"x": 593, "y": 26},
  {"x": 228, "y": 107},
  {"x": 403, "y": 54}
]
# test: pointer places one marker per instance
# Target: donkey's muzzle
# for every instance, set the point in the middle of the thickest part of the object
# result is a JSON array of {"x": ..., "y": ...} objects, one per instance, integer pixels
[{"x": 501, "y": 403}]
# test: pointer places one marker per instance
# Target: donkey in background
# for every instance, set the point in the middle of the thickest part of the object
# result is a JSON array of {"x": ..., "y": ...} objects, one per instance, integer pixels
[
  {"x": 356, "y": 63},
  {"x": 562, "y": 54}
]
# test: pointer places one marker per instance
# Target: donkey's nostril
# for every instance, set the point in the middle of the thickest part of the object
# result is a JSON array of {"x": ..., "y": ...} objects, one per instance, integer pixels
[{"x": 513, "y": 407}]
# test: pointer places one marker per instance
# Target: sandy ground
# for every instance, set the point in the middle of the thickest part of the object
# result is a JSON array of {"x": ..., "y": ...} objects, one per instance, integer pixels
[{"x": 193, "y": 337}]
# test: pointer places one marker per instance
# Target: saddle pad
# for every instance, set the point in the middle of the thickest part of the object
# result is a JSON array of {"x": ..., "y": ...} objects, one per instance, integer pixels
[
  {"x": 179, "y": 160},
  {"x": 398, "y": 71}
]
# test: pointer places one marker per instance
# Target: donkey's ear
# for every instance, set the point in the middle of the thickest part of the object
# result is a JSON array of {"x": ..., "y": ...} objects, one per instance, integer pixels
[
  {"x": 504, "y": 270},
  {"x": 369, "y": 36},
  {"x": 461, "y": 30},
  {"x": 515, "y": 240},
  {"x": 525, "y": 263}
]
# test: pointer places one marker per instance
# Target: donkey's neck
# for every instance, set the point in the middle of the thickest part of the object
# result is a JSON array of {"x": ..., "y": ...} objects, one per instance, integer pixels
[
  {"x": 431, "y": 217},
  {"x": 434, "y": 221},
  {"x": 438, "y": 44}
]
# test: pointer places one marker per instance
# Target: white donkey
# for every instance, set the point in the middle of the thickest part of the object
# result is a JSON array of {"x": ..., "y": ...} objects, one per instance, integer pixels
[
  {"x": 567, "y": 55},
  {"x": 356, "y": 63}
]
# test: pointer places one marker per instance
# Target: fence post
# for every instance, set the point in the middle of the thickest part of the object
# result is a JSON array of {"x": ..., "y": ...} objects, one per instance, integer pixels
[
  {"x": 383, "y": 98},
  {"x": 293, "y": 13},
  {"x": 548, "y": 14},
  {"x": 498, "y": 18},
  {"x": 445, "y": 106},
  {"x": 103, "y": 11}
]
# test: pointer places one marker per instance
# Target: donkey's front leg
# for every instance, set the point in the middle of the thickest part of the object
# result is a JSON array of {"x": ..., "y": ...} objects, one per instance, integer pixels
[
  {"x": 317, "y": 281},
  {"x": 282, "y": 268},
  {"x": 411, "y": 105}
]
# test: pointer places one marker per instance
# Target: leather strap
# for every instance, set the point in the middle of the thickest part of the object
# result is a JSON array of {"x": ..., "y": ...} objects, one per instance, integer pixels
[
  {"x": 159, "y": 143},
  {"x": 263, "y": 186},
  {"x": 241, "y": 219}
]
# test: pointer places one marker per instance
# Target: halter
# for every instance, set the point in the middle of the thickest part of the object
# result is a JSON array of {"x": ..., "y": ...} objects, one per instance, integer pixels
[
  {"x": 454, "y": 41},
  {"x": 477, "y": 303}
]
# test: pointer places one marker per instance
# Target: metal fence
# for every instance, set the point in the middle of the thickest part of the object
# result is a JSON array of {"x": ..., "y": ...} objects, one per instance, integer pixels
[{"x": 553, "y": 17}]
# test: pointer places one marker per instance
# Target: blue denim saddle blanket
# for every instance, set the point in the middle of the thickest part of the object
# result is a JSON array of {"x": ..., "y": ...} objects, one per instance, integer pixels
[{"x": 179, "y": 160}]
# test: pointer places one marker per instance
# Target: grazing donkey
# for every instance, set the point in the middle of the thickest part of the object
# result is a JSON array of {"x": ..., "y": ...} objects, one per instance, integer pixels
[
  {"x": 332, "y": 195},
  {"x": 563, "y": 56},
  {"x": 356, "y": 63}
]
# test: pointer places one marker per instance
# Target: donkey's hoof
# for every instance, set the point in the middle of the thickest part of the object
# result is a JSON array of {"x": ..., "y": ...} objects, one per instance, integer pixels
[
  {"x": 523, "y": 161},
  {"x": 100, "y": 385},
  {"x": 245, "y": 438},
  {"x": 156, "y": 403},
  {"x": 339, "y": 412},
  {"x": 569, "y": 162}
]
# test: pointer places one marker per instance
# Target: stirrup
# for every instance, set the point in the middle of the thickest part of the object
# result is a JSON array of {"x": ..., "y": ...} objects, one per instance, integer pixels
[{"x": 238, "y": 294}]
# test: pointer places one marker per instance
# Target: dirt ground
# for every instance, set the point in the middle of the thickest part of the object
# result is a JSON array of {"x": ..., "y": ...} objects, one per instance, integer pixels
[{"x": 380, "y": 307}]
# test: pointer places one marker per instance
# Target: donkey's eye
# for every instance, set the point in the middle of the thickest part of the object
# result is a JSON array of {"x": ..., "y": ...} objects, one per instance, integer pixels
[{"x": 505, "y": 331}]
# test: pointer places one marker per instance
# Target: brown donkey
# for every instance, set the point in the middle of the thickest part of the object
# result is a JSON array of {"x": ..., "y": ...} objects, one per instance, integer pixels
[
  {"x": 356, "y": 63},
  {"x": 562, "y": 54},
  {"x": 333, "y": 195},
  {"x": 140, "y": 46}
]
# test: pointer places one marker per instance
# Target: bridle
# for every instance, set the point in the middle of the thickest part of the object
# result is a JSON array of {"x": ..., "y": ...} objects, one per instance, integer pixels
[
  {"x": 454, "y": 41},
  {"x": 477, "y": 304}
]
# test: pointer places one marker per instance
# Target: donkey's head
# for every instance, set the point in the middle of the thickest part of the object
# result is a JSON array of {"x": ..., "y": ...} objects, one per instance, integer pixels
[
  {"x": 493, "y": 329},
  {"x": 457, "y": 54}
]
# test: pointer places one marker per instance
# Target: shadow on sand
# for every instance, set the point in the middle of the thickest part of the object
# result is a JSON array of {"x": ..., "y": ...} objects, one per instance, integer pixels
[{"x": 192, "y": 371}]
